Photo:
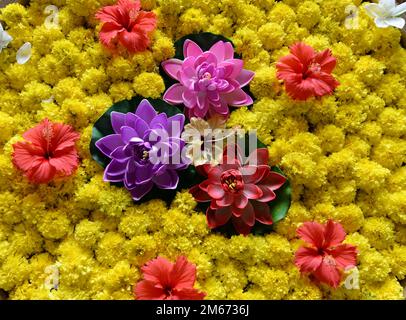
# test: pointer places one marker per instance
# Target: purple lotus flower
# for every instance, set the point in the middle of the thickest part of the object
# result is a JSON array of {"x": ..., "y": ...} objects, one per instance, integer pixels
[
  {"x": 209, "y": 82},
  {"x": 146, "y": 150}
]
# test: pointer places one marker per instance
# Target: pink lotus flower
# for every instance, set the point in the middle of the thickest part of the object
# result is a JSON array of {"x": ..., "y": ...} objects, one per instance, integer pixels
[
  {"x": 238, "y": 191},
  {"x": 326, "y": 257},
  {"x": 209, "y": 82}
]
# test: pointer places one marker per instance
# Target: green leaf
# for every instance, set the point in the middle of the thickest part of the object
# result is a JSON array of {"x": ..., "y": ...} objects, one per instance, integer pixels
[{"x": 280, "y": 206}]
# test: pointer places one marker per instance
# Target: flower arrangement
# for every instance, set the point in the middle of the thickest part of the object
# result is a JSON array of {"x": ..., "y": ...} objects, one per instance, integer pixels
[{"x": 343, "y": 154}]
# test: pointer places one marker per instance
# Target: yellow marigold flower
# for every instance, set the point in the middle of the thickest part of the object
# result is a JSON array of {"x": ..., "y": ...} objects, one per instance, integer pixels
[
  {"x": 390, "y": 152},
  {"x": 106, "y": 251},
  {"x": 373, "y": 267},
  {"x": 33, "y": 94},
  {"x": 282, "y": 14},
  {"x": 390, "y": 289},
  {"x": 149, "y": 85},
  {"x": 308, "y": 14},
  {"x": 369, "y": 70},
  {"x": 391, "y": 88},
  {"x": 371, "y": 131},
  {"x": 221, "y": 24},
  {"x": 54, "y": 225},
  {"x": 273, "y": 282},
  {"x": 43, "y": 38},
  {"x": 13, "y": 14},
  {"x": 87, "y": 233},
  {"x": 68, "y": 20},
  {"x": 121, "y": 91},
  {"x": 51, "y": 70},
  {"x": 192, "y": 21},
  {"x": 379, "y": 231},
  {"x": 13, "y": 272},
  {"x": 370, "y": 175},
  {"x": 393, "y": 122}
]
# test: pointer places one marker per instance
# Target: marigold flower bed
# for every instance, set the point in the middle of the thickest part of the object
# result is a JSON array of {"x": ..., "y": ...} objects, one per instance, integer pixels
[{"x": 343, "y": 154}]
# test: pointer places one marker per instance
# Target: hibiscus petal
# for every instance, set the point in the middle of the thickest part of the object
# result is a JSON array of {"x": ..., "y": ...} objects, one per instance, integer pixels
[
  {"x": 66, "y": 163},
  {"x": 147, "y": 290},
  {"x": 334, "y": 234},
  {"x": 345, "y": 255},
  {"x": 183, "y": 274},
  {"x": 134, "y": 41},
  {"x": 307, "y": 259},
  {"x": 187, "y": 294},
  {"x": 109, "y": 32},
  {"x": 42, "y": 173},
  {"x": 329, "y": 274},
  {"x": 303, "y": 52},
  {"x": 25, "y": 154},
  {"x": 158, "y": 271},
  {"x": 312, "y": 232}
]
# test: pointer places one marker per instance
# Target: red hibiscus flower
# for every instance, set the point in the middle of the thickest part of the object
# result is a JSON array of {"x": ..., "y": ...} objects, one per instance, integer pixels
[
  {"x": 164, "y": 280},
  {"x": 307, "y": 73},
  {"x": 49, "y": 151},
  {"x": 326, "y": 257},
  {"x": 126, "y": 25},
  {"x": 238, "y": 191}
]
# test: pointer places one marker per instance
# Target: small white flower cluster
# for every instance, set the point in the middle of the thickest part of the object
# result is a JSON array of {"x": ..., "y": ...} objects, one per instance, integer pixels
[
  {"x": 386, "y": 13},
  {"x": 23, "y": 54}
]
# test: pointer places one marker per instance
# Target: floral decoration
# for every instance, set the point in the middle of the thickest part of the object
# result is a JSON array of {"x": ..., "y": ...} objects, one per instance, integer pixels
[
  {"x": 239, "y": 190},
  {"x": 136, "y": 150},
  {"x": 125, "y": 25},
  {"x": 325, "y": 257},
  {"x": 209, "y": 82},
  {"x": 307, "y": 73},
  {"x": 386, "y": 13},
  {"x": 48, "y": 151},
  {"x": 164, "y": 280}
]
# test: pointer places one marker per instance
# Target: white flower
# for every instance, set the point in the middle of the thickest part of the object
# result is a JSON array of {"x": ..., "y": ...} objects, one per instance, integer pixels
[
  {"x": 204, "y": 140},
  {"x": 5, "y": 38},
  {"x": 387, "y": 13},
  {"x": 24, "y": 53}
]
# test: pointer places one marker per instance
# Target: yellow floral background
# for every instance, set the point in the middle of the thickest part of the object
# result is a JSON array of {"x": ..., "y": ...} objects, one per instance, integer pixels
[{"x": 344, "y": 154}]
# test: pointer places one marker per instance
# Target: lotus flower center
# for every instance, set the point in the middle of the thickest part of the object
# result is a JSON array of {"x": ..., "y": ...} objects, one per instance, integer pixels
[
  {"x": 207, "y": 76},
  {"x": 231, "y": 181},
  {"x": 141, "y": 152}
]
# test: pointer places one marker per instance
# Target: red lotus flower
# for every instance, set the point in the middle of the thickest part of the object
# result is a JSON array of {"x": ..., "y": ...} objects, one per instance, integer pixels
[
  {"x": 164, "y": 280},
  {"x": 126, "y": 25},
  {"x": 307, "y": 73},
  {"x": 326, "y": 257},
  {"x": 49, "y": 151},
  {"x": 238, "y": 191}
]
